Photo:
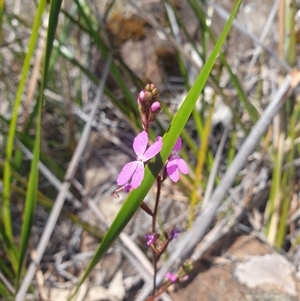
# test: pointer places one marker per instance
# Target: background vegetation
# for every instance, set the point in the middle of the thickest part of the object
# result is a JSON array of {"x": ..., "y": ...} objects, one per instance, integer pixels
[{"x": 66, "y": 78}]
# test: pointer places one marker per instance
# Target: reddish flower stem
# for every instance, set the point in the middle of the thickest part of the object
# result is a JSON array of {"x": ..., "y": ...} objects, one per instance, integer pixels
[{"x": 155, "y": 256}]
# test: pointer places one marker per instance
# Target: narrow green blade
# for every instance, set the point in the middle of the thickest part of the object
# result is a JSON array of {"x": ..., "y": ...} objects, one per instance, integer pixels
[{"x": 136, "y": 197}]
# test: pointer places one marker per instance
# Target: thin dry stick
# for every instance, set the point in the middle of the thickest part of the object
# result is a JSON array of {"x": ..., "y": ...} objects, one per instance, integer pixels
[
  {"x": 63, "y": 190},
  {"x": 264, "y": 33},
  {"x": 35, "y": 75},
  {"x": 185, "y": 247}
]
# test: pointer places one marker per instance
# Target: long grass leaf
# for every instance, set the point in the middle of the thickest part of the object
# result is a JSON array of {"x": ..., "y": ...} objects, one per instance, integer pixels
[
  {"x": 202, "y": 155},
  {"x": 288, "y": 179},
  {"x": 276, "y": 193},
  {"x": 13, "y": 124},
  {"x": 31, "y": 195},
  {"x": 152, "y": 170}
]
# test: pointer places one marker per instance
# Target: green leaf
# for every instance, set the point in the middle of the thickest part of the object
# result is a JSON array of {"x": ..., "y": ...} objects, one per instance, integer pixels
[
  {"x": 12, "y": 129},
  {"x": 136, "y": 197},
  {"x": 30, "y": 201}
]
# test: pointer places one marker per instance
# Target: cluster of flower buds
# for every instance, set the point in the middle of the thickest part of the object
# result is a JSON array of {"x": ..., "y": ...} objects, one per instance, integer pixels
[
  {"x": 182, "y": 274},
  {"x": 148, "y": 105},
  {"x": 158, "y": 246}
]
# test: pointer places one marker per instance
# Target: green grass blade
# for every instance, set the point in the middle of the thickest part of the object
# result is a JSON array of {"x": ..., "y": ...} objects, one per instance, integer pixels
[
  {"x": 232, "y": 150},
  {"x": 275, "y": 193},
  {"x": 202, "y": 155},
  {"x": 5, "y": 293},
  {"x": 288, "y": 179},
  {"x": 53, "y": 20},
  {"x": 134, "y": 200},
  {"x": 62, "y": 37},
  {"x": 13, "y": 123},
  {"x": 30, "y": 201},
  {"x": 6, "y": 268},
  {"x": 30, "y": 197}
]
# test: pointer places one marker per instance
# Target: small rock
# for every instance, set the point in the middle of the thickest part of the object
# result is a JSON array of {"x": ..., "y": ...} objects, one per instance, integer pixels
[{"x": 271, "y": 270}]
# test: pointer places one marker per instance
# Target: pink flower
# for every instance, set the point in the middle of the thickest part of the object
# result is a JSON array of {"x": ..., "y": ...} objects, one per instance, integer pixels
[
  {"x": 132, "y": 173},
  {"x": 176, "y": 163},
  {"x": 151, "y": 238},
  {"x": 171, "y": 277}
]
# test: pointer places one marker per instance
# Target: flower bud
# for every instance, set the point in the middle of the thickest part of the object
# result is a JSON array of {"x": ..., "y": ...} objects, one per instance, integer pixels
[
  {"x": 141, "y": 97},
  {"x": 171, "y": 277},
  {"x": 148, "y": 105},
  {"x": 174, "y": 233},
  {"x": 188, "y": 265},
  {"x": 153, "y": 90},
  {"x": 148, "y": 96},
  {"x": 154, "y": 93},
  {"x": 149, "y": 87},
  {"x": 154, "y": 110},
  {"x": 151, "y": 238},
  {"x": 155, "y": 107}
]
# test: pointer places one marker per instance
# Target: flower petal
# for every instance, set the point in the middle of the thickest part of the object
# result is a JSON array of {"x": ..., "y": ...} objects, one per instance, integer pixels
[
  {"x": 140, "y": 143},
  {"x": 182, "y": 166},
  {"x": 177, "y": 145},
  {"x": 172, "y": 170},
  {"x": 127, "y": 172},
  {"x": 153, "y": 150},
  {"x": 138, "y": 176}
]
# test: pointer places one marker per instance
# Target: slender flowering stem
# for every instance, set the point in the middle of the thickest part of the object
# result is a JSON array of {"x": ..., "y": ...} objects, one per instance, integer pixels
[
  {"x": 156, "y": 256},
  {"x": 132, "y": 174}
]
